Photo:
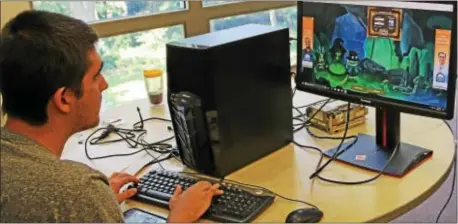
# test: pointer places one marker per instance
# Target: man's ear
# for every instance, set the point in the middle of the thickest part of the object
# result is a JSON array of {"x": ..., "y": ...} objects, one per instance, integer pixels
[{"x": 63, "y": 100}]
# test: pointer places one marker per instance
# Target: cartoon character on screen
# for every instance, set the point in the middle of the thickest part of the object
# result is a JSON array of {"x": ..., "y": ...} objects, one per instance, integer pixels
[
  {"x": 420, "y": 85},
  {"x": 321, "y": 63},
  {"x": 338, "y": 50},
  {"x": 353, "y": 67}
]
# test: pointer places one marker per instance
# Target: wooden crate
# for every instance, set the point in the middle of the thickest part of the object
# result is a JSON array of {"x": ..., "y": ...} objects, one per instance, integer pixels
[{"x": 332, "y": 117}]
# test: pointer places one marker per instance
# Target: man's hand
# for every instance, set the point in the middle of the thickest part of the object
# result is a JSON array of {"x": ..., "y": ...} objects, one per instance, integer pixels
[
  {"x": 190, "y": 205},
  {"x": 118, "y": 180}
]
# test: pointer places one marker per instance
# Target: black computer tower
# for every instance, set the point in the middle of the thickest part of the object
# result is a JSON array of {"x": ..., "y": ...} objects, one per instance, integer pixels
[{"x": 242, "y": 81}]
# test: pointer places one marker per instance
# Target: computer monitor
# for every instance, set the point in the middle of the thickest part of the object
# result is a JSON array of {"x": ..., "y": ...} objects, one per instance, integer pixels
[{"x": 396, "y": 56}]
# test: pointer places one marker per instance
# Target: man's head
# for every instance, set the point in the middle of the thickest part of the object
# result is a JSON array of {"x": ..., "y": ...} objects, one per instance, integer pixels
[
  {"x": 307, "y": 42},
  {"x": 50, "y": 70},
  {"x": 442, "y": 57}
]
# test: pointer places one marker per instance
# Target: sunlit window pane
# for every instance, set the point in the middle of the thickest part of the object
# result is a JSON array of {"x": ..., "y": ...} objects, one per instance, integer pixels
[
  {"x": 125, "y": 57},
  {"x": 91, "y": 11},
  {"x": 285, "y": 17},
  {"x": 208, "y": 3}
]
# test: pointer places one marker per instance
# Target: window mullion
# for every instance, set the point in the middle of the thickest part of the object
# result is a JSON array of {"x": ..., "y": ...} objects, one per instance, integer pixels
[{"x": 197, "y": 22}]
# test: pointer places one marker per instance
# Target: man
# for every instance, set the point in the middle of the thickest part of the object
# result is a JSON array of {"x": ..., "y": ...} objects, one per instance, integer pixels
[
  {"x": 307, "y": 49},
  {"x": 442, "y": 57},
  {"x": 307, "y": 45},
  {"x": 51, "y": 81}
]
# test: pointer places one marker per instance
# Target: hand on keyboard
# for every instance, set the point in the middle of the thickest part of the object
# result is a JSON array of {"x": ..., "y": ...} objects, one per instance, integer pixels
[
  {"x": 118, "y": 180},
  {"x": 190, "y": 205},
  {"x": 238, "y": 204}
]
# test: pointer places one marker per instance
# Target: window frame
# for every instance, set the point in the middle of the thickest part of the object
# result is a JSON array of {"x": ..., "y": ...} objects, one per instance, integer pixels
[{"x": 195, "y": 17}]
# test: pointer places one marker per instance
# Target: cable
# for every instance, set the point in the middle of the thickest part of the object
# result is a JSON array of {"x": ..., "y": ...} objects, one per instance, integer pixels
[
  {"x": 158, "y": 160},
  {"x": 314, "y": 148},
  {"x": 306, "y": 122},
  {"x": 328, "y": 137},
  {"x": 129, "y": 136},
  {"x": 336, "y": 153},
  {"x": 312, "y": 104},
  {"x": 454, "y": 175},
  {"x": 367, "y": 180}
]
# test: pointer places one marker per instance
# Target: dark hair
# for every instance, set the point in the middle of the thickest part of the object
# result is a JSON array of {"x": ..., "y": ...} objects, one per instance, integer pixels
[{"x": 41, "y": 52}]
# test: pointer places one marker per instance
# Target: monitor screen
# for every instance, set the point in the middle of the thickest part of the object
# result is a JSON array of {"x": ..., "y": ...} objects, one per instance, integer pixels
[{"x": 385, "y": 53}]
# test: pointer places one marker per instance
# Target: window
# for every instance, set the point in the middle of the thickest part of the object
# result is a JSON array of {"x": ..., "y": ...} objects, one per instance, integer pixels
[
  {"x": 125, "y": 57},
  {"x": 285, "y": 17},
  {"x": 92, "y": 11},
  {"x": 207, "y": 3}
]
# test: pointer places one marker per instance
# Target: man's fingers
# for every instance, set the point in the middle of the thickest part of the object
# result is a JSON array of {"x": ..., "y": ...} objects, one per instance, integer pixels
[
  {"x": 215, "y": 189},
  {"x": 177, "y": 191},
  {"x": 203, "y": 185},
  {"x": 127, "y": 194},
  {"x": 114, "y": 174},
  {"x": 127, "y": 179},
  {"x": 124, "y": 175}
]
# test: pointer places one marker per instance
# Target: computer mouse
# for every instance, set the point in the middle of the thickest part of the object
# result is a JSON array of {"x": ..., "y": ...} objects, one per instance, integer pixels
[{"x": 304, "y": 215}]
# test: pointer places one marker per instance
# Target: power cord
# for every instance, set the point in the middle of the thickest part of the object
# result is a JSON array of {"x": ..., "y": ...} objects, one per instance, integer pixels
[{"x": 453, "y": 177}]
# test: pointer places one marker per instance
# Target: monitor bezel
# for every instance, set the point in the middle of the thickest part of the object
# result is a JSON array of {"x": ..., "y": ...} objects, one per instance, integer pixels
[{"x": 381, "y": 102}]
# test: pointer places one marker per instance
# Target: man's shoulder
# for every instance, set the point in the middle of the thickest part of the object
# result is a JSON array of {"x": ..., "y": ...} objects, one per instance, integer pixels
[{"x": 73, "y": 169}]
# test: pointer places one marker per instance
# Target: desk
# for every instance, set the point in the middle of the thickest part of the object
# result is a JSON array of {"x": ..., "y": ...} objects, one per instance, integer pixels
[{"x": 286, "y": 171}]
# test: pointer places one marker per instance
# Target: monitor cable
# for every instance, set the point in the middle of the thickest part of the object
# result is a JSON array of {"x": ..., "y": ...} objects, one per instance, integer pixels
[
  {"x": 337, "y": 152},
  {"x": 319, "y": 168},
  {"x": 307, "y": 123}
]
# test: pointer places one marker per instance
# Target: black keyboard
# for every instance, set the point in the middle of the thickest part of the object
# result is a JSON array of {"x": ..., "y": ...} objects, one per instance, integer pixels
[{"x": 237, "y": 204}]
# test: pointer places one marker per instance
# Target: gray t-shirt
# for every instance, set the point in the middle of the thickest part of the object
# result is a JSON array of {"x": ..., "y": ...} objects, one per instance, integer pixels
[{"x": 36, "y": 186}]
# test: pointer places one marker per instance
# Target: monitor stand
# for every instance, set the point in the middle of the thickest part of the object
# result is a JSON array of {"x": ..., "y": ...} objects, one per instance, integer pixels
[{"x": 374, "y": 152}]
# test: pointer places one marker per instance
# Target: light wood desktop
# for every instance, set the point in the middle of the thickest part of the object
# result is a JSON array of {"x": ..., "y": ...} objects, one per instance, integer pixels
[{"x": 287, "y": 171}]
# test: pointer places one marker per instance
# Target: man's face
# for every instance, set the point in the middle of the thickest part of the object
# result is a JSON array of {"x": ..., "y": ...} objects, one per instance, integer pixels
[
  {"x": 307, "y": 42},
  {"x": 93, "y": 84},
  {"x": 442, "y": 59}
]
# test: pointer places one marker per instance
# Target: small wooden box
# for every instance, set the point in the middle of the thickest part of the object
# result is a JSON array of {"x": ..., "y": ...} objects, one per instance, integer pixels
[{"x": 332, "y": 117}]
